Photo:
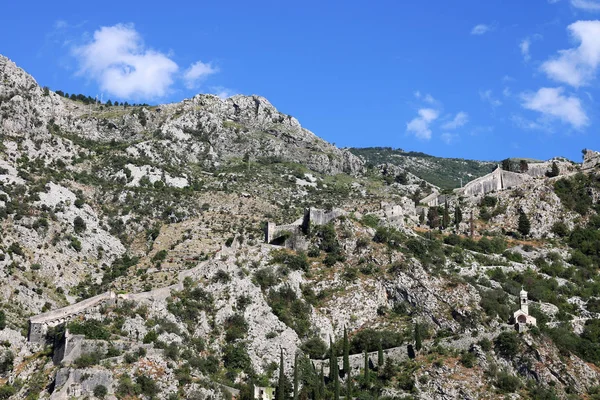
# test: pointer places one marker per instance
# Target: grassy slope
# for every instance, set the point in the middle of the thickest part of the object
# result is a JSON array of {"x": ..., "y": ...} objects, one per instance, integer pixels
[{"x": 443, "y": 172}]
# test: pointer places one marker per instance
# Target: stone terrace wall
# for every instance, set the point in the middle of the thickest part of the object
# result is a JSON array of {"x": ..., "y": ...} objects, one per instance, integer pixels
[{"x": 39, "y": 324}]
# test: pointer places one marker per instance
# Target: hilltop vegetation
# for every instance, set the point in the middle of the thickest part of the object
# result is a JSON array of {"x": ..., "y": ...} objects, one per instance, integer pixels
[{"x": 442, "y": 172}]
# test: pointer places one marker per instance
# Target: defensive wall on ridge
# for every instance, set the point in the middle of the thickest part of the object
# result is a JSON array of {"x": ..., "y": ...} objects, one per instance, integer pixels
[
  {"x": 312, "y": 217},
  {"x": 39, "y": 324}
]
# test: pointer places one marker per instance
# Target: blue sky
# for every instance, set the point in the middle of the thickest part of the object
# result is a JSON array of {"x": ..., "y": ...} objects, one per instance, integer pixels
[{"x": 474, "y": 79}]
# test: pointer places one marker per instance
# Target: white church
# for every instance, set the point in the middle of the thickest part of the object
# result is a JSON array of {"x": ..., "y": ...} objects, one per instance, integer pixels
[{"x": 521, "y": 317}]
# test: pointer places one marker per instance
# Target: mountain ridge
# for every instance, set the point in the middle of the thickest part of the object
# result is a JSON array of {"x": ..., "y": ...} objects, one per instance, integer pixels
[{"x": 157, "y": 216}]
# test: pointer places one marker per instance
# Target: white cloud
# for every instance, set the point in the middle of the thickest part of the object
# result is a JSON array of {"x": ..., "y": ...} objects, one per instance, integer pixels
[
  {"x": 429, "y": 99},
  {"x": 551, "y": 103},
  {"x": 488, "y": 97},
  {"x": 448, "y": 138},
  {"x": 586, "y": 5},
  {"x": 526, "y": 124},
  {"x": 524, "y": 46},
  {"x": 506, "y": 92},
  {"x": 118, "y": 60},
  {"x": 196, "y": 72},
  {"x": 459, "y": 120},
  {"x": 60, "y": 24},
  {"x": 480, "y": 29},
  {"x": 577, "y": 66},
  {"x": 420, "y": 125},
  {"x": 123, "y": 66}
]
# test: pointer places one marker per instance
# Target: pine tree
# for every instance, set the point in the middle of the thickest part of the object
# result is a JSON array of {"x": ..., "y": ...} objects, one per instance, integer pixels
[
  {"x": 281, "y": 382},
  {"x": 366, "y": 371},
  {"x": 346, "y": 361},
  {"x": 379, "y": 354},
  {"x": 457, "y": 216},
  {"x": 446, "y": 217},
  {"x": 296, "y": 377},
  {"x": 418, "y": 343},
  {"x": 524, "y": 224}
]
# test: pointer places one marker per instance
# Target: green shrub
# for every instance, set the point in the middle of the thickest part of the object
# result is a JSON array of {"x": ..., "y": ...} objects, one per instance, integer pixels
[
  {"x": 265, "y": 278},
  {"x": 190, "y": 302},
  {"x": 560, "y": 229},
  {"x": 75, "y": 244},
  {"x": 87, "y": 360},
  {"x": 150, "y": 337},
  {"x": 160, "y": 256},
  {"x": 370, "y": 220},
  {"x": 468, "y": 359},
  {"x": 574, "y": 192},
  {"x": 91, "y": 328},
  {"x": 79, "y": 225},
  {"x": 370, "y": 339},
  {"x": 235, "y": 327},
  {"x": 7, "y": 391},
  {"x": 100, "y": 391},
  {"x": 507, "y": 383},
  {"x": 291, "y": 310},
  {"x": 235, "y": 357},
  {"x": 488, "y": 201},
  {"x": 507, "y": 344},
  {"x": 315, "y": 347}
]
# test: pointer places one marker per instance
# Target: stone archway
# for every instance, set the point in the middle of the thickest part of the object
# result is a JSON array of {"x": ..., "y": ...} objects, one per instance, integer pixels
[{"x": 522, "y": 319}]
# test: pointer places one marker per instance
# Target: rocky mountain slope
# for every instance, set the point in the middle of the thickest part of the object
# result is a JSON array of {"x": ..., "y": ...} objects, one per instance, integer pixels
[
  {"x": 134, "y": 264},
  {"x": 443, "y": 172}
]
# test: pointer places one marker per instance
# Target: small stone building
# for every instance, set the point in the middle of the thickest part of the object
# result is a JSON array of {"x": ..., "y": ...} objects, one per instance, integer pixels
[
  {"x": 521, "y": 317},
  {"x": 264, "y": 393}
]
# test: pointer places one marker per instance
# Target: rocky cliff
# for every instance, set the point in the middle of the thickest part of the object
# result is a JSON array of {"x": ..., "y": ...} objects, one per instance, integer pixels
[{"x": 132, "y": 247}]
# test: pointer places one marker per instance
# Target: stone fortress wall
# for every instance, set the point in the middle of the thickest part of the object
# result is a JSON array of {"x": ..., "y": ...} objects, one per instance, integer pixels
[
  {"x": 39, "y": 324},
  {"x": 496, "y": 181},
  {"x": 312, "y": 217}
]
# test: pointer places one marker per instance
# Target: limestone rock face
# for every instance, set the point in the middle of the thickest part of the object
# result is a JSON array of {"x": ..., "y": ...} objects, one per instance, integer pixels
[
  {"x": 204, "y": 129},
  {"x": 591, "y": 159}
]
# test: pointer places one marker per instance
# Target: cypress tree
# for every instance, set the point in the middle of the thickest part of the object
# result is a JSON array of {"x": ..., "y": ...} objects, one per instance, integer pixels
[
  {"x": 524, "y": 224},
  {"x": 281, "y": 382},
  {"x": 348, "y": 384},
  {"x": 296, "y": 377},
  {"x": 336, "y": 379},
  {"x": 418, "y": 343},
  {"x": 321, "y": 384},
  {"x": 366, "y": 371},
  {"x": 457, "y": 216},
  {"x": 346, "y": 364},
  {"x": 379, "y": 354},
  {"x": 446, "y": 217},
  {"x": 433, "y": 218},
  {"x": 554, "y": 171},
  {"x": 422, "y": 217},
  {"x": 331, "y": 359}
]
